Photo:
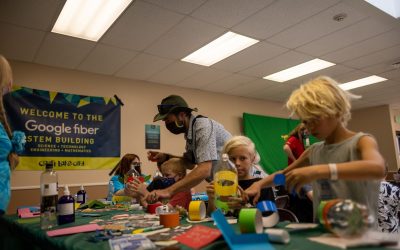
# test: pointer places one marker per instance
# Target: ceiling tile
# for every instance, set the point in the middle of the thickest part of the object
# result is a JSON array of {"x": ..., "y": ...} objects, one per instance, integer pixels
[
  {"x": 381, "y": 68},
  {"x": 279, "y": 16},
  {"x": 358, "y": 32},
  {"x": 276, "y": 64},
  {"x": 181, "y": 6},
  {"x": 376, "y": 43},
  {"x": 37, "y": 14},
  {"x": 143, "y": 66},
  {"x": 202, "y": 78},
  {"x": 234, "y": 11},
  {"x": 175, "y": 72},
  {"x": 316, "y": 26},
  {"x": 139, "y": 26},
  {"x": 351, "y": 76},
  {"x": 106, "y": 60},
  {"x": 251, "y": 56},
  {"x": 228, "y": 83},
  {"x": 250, "y": 87},
  {"x": 185, "y": 38},
  {"x": 393, "y": 74},
  {"x": 388, "y": 55},
  {"x": 19, "y": 43},
  {"x": 63, "y": 51}
]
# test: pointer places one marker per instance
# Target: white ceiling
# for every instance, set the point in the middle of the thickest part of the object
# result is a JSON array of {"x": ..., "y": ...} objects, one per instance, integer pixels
[{"x": 151, "y": 36}]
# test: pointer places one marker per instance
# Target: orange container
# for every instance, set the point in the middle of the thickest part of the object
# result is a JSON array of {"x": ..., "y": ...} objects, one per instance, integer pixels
[{"x": 169, "y": 219}]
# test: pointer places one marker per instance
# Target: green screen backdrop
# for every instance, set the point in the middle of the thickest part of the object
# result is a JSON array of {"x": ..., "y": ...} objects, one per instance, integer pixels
[{"x": 266, "y": 132}]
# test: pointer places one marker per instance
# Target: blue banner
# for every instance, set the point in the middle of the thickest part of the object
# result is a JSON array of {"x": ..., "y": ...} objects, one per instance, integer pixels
[{"x": 72, "y": 131}]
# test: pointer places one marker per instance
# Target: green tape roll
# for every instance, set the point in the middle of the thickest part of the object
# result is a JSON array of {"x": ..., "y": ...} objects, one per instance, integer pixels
[
  {"x": 320, "y": 212},
  {"x": 250, "y": 220}
]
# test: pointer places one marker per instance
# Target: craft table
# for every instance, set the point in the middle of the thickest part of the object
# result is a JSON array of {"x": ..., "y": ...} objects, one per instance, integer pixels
[{"x": 15, "y": 235}]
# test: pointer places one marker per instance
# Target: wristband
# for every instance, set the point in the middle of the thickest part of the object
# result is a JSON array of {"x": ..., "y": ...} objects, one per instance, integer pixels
[{"x": 333, "y": 171}]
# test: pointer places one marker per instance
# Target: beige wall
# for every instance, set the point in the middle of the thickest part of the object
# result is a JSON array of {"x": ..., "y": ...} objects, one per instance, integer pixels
[
  {"x": 140, "y": 99},
  {"x": 396, "y": 128},
  {"x": 377, "y": 121}
]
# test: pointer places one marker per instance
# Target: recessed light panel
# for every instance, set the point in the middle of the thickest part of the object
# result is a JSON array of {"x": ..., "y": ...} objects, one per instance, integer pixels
[
  {"x": 219, "y": 49},
  {"x": 88, "y": 19},
  {"x": 362, "y": 82},
  {"x": 299, "y": 70}
]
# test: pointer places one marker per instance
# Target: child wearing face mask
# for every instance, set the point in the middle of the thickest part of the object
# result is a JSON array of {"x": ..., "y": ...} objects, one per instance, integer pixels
[
  {"x": 128, "y": 164},
  {"x": 242, "y": 152},
  {"x": 173, "y": 171}
]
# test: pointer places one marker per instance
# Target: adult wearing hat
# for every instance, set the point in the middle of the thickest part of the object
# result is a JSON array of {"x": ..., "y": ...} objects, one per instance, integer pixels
[{"x": 204, "y": 141}]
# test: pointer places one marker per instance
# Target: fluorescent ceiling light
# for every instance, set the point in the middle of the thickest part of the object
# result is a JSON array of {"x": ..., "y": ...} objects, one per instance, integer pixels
[
  {"x": 362, "y": 82},
  {"x": 88, "y": 19},
  {"x": 219, "y": 49},
  {"x": 299, "y": 70},
  {"x": 391, "y": 7}
]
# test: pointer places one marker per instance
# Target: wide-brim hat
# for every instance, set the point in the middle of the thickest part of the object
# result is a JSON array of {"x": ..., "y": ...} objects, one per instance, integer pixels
[{"x": 169, "y": 104}]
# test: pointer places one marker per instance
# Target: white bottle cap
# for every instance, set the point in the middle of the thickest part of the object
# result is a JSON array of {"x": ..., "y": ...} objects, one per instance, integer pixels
[
  {"x": 66, "y": 190},
  {"x": 225, "y": 157},
  {"x": 82, "y": 187}
]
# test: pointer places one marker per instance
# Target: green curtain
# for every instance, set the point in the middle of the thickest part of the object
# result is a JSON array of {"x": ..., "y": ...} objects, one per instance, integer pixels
[{"x": 266, "y": 132}]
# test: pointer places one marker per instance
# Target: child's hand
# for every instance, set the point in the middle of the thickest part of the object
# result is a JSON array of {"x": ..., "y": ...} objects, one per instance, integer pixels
[
  {"x": 210, "y": 191},
  {"x": 238, "y": 202},
  {"x": 129, "y": 190},
  {"x": 253, "y": 191},
  {"x": 138, "y": 186},
  {"x": 298, "y": 177}
]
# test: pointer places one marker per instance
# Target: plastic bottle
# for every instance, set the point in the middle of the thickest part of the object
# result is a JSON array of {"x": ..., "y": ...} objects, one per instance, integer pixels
[
  {"x": 66, "y": 208},
  {"x": 345, "y": 218},
  {"x": 81, "y": 196},
  {"x": 49, "y": 197},
  {"x": 225, "y": 183},
  {"x": 110, "y": 190}
]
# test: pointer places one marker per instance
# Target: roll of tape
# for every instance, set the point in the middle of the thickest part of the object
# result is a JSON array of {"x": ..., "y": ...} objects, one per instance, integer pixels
[
  {"x": 169, "y": 219},
  {"x": 270, "y": 220},
  {"x": 197, "y": 210},
  {"x": 151, "y": 208},
  {"x": 250, "y": 220},
  {"x": 278, "y": 235},
  {"x": 270, "y": 216},
  {"x": 266, "y": 206},
  {"x": 279, "y": 179}
]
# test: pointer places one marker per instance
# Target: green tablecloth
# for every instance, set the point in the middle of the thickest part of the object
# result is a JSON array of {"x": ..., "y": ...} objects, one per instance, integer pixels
[{"x": 15, "y": 235}]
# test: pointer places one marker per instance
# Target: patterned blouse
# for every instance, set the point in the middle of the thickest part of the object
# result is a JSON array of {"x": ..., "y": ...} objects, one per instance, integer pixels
[{"x": 388, "y": 208}]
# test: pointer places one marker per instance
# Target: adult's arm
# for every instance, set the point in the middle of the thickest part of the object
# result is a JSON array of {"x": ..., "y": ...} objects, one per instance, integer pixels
[{"x": 197, "y": 175}]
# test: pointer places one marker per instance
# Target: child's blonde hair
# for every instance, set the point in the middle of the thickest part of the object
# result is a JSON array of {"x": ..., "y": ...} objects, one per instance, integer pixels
[
  {"x": 241, "y": 141},
  {"x": 321, "y": 97},
  {"x": 5, "y": 80},
  {"x": 176, "y": 165}
]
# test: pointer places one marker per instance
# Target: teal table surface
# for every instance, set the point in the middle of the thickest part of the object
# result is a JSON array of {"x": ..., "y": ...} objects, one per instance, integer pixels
[{"x": 16, "y": 235}]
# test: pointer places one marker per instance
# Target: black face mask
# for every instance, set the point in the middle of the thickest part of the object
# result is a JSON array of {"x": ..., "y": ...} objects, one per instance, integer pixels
[{"x": 174, "y": 128}]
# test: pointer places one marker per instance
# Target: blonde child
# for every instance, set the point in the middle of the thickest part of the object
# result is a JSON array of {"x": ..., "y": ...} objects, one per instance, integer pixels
[
  {"x": 11, "y": 143},
  {"x": 345, "y": 163},
  {"x": 172, "y": 170},
  {"x": 242, "y": 152}
]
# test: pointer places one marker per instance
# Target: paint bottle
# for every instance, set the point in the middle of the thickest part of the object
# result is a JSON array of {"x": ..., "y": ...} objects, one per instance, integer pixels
[
  {"x": 49, "y": 197},
  {"x": 81, "y": 196},
  {"x": 66, "y": 208}
]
